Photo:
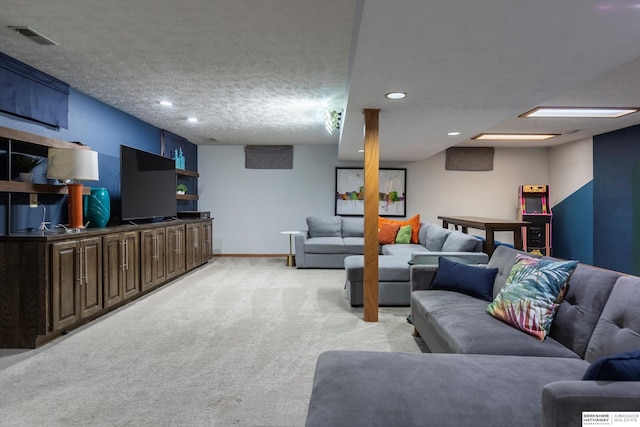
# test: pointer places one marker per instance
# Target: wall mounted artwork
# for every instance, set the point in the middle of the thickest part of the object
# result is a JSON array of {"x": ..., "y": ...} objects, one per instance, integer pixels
[{"x": 350, "y": 192}]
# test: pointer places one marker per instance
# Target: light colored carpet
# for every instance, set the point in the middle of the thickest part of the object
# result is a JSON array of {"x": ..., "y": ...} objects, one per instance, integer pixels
[{"x": 233, "y": 343}]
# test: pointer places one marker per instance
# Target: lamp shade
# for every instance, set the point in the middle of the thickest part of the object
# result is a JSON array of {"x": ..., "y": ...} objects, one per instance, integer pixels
[{"x": 66, "y": 163}]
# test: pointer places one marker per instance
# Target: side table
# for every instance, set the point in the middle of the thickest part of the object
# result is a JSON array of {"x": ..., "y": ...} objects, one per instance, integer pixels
[{"x": 291, "y": 261}]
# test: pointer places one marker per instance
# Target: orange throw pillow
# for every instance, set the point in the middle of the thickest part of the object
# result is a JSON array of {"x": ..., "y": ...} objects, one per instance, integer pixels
[
  {"x": 414, "y": 222},
  {"x": 387, "y": 233}
]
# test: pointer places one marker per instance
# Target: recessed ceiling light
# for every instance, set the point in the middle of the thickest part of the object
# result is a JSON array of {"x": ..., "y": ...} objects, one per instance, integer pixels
[
  {"x": 453, "y": 133},
  {"x": 587, "y": 112},
  {"x": 361, "y": 150},
  {"x": 516, "y": 136},
  {"x": 166, "y": 103},
  {"x": 395, "y": 95},
  {"x": 192, "y": 119}
]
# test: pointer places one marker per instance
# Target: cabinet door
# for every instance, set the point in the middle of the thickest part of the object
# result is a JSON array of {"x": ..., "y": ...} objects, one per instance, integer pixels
[
  {"x": 147, "y": 258},
  {"x": 153, "y": 257},
  {"x": 112, "y": 269},
  {"x": 207, "y": 240},
  {"x": 65, "y": 284},
  {"x": 91, "y": 276},
  {"x": 130, "y": 272},
  {"x": 161, "y": 256},
  {"x": 175, "y": 250},
  {"x": 194, "y": 254}
]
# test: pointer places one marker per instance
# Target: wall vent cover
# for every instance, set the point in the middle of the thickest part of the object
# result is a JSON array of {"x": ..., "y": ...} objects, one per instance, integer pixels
[{"x": 34, "y": 35}]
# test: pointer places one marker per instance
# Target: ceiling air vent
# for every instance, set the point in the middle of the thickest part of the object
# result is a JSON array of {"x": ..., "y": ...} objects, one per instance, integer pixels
[{"x": 34, "y": 35}]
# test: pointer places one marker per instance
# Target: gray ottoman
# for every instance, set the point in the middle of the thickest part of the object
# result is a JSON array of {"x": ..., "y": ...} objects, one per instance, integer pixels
[{"x": 394, "y": 286}]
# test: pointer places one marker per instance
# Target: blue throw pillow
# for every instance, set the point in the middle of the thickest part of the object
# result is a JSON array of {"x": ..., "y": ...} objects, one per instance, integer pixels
[
  {"x": 473, "y": 281},
  {"x": 619, "y": 367}
]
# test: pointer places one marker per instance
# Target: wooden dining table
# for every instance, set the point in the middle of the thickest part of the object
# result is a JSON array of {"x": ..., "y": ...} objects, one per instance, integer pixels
[{"x": 490, "y": 225}]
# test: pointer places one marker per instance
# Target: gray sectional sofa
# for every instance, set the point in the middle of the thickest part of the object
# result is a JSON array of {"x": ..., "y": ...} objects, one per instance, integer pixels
[
  {"x": 338, "y": 242},
  {"x": 484, "y": 372},
  {"x": 329, "y": 240}
]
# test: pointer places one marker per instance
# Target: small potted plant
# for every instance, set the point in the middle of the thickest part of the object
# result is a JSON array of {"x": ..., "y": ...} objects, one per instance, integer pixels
[
  {"x": 24, "y": 165},
  {"x": 181, "y": 189}
]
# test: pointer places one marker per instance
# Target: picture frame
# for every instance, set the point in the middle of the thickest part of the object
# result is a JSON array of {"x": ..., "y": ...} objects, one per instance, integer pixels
[{"x": 349, "y": 196}]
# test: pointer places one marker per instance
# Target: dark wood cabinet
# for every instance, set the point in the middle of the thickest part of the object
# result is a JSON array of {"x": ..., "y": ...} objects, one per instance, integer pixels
[
  {"x": 152, "y": 257},
  {"x": 175, "y": 250},
  {"x": 194, "y": 245},
  {"x": 65, "y": 284},
  {"x": 76, "y": 281},
  {"x": 121, "y": 278},
  {"x": 207, "y": 240},
  {"x": 52, "y": 283}
]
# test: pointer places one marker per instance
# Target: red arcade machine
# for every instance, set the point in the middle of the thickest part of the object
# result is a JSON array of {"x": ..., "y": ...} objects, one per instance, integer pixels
[{"x": 534, "y": 207}]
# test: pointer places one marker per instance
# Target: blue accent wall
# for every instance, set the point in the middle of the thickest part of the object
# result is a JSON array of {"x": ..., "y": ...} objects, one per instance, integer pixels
[
  {"x": 615, "y": 154},
  {"x": 99, "y": 126},
  {"x": 572, "y": 231}
]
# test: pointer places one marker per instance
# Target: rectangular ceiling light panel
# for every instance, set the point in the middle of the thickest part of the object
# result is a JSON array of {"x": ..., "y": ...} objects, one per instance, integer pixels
[
  {"x": 515, "y": 136},
  {"x": 579, "y": 112}
]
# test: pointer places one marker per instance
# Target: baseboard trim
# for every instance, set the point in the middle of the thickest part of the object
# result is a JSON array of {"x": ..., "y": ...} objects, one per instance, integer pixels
[{"x": 252, "y": 255}]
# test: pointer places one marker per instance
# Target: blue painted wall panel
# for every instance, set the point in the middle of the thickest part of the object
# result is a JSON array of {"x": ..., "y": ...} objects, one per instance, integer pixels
[
  {"x": 573, "y": 226},
  {"x": 614, "y": 156},
  {"x": 103, "y": 128}
]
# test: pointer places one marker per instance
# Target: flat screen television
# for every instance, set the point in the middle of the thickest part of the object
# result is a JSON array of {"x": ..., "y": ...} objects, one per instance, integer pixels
[{"x": 147, "y": 185}]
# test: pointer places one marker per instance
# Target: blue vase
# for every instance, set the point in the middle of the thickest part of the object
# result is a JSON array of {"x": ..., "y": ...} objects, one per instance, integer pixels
[{"x": 98, "y": 208}]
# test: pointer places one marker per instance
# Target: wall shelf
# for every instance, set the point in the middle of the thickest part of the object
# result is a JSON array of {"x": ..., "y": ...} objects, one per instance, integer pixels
[
  {"x": 26, "y": 187},
  {"x": 17, "y": 141},
  {"x": 185, "y": 172},
  {"x": 186, "y": 197}
]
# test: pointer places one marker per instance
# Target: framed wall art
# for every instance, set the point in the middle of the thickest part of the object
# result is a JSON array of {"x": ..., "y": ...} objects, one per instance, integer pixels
[{"x": 350, "y": 192}]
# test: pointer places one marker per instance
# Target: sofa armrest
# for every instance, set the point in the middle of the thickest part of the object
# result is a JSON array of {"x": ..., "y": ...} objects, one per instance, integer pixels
[
  {"x": 299, "y": 240},
  {"x": 467, "y": 257},
  {"x": 421, "y": 276},
  {"x": 564, "y": 401}
]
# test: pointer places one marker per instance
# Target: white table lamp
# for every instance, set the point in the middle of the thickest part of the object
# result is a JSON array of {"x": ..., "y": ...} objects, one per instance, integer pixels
[{"x": 69, "y": 165}]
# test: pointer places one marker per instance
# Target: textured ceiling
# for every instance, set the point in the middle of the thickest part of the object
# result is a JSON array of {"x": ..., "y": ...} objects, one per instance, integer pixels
[
  {"x": 253, "y": 72},
  {"x": 264, "y": 71}
]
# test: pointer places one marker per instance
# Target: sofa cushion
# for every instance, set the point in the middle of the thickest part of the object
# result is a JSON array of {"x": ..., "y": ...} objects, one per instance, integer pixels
[
  {"x": 404, "y": 235},
  {"x": 377, "y": 389},
  {"x": 450, "y": 322},
  {"x": 414, "y": 222},
  {"x": 326, "y": 226},
  {"x": 354, "y": 245},
  {"x": 434, "y": 237},
  {"x": 587, "y": 292},
  {"x": 618, "y": 329},
  {"x": 324, "y": 245},
  {"x": 532, "y": 294},
  {"x": 619, "y": 367},
  {"x": 402, "y": 250},
  {"x": 459, "y": 242},
  {"x": 352, "y": 227},
  {"x": 387, "y": 233},
  {"x": 390, "y": 269},
  {"x": 503, "y": 259},
  {"x": 473, "y": 281}
]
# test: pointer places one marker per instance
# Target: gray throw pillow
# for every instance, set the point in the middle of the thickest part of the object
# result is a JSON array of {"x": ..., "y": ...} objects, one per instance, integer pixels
[
  {"x": 435, "y": 237},
  {"x": 326, "y": 226},
  {"x": 352, "y": 227},
  {"x": 459, "y": 242}
]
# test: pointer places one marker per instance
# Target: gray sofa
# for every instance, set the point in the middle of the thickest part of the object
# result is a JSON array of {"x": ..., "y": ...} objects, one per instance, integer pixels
[
  {"x": 329, "y": 240},
  {"x": 483, "y": 372}
]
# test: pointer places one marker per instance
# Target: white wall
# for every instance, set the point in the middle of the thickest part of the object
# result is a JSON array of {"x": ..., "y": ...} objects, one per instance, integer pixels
[
  {"x": 570, "y": 168},
  {"x": 252, "y": 206},
  {"x": 433, "y": 191}
]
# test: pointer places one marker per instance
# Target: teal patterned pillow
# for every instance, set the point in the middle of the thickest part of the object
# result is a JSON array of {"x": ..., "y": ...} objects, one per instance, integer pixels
[{"x": 532, "y": 293}]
